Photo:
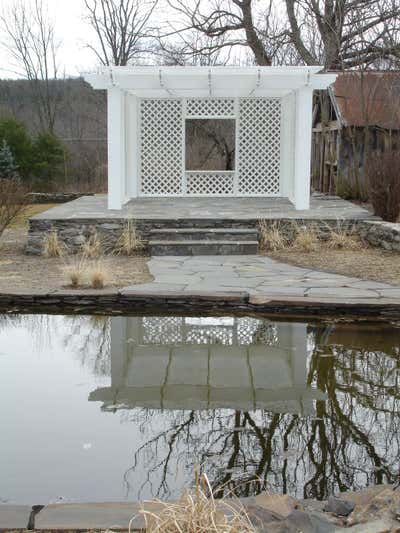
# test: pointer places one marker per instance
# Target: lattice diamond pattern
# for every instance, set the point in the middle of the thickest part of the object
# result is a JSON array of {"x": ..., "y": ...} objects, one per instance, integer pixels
[
  {"x": 162, "y": 330},
  {"x": 161, "y": 136},
  {"x": 161, "y": 146},
  {"x": 215, "y": 183},
  {"x": 175, "y": 331},
  {"x": 259, "y": 146},
  {"x": 210, "y": 107}
]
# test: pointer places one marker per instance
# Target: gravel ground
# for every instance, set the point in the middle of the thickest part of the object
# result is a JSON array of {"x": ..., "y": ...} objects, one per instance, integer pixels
[
  {"x": 21, "y": 271},
  {"x": 369, "y": 263}
]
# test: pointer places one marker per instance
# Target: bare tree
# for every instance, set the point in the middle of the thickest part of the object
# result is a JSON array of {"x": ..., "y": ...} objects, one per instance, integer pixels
[
  {"x": 335, "y": 33},
  {"x": 226, "y": 24},
  {"x": 29, "y": 38},
  {"x": 121, "y": 27},
  {"x": 193, "y": 48},
  {"x": 342, "y": 34}
]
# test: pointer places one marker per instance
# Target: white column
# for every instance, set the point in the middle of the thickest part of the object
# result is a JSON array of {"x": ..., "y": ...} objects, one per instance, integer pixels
[
  {"x": 116, "y": 147},
  {"x": 132, "y": 146},
  {"x": 119, "y": 351},
  {"x": 287, "y": 145},
  {"x": 302, "y": 148}
]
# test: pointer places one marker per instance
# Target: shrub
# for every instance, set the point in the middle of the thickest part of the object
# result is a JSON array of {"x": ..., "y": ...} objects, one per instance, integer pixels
[
  {"x": 48, "y": 157},
  {"x": 383, "y": 184},
  {"x": 13, "y": 199},
  {"x": 20, "y": 144},
  {"x": 8, "y": 167}
]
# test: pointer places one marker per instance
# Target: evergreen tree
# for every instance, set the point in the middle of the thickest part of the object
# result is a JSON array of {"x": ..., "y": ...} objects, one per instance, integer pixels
[{"x": 8, "y": 168}]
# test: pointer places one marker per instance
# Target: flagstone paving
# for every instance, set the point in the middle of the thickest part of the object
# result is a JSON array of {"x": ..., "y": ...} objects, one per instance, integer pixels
[{"x": 256, "y": 275}]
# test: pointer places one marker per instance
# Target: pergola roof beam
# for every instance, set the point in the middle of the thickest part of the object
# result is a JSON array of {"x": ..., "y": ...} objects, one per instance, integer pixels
[{"x": 213, "y": 81}]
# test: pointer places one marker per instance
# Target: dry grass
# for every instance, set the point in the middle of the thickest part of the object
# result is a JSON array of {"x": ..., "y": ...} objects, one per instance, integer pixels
[
  {"x": 81, "y": 272},
  {"x": 92, "y": 248},
  {"x": 368, "y": 263},
  {"x": 98, "y": 275},
  {"x": 21, "y": 271},
  {"x": 198, "y": 513},
  {"x": 76, "y": 271},
  {"x": 344, "y": 238},
  {"x": 306, "y": 238},
  {"x": 271, "y": 235},
  {"x": 52, "y": 247},
  {"x": 130, "y": 241}
]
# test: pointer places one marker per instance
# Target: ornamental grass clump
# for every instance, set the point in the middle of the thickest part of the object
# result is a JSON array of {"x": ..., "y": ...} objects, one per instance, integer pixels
[
  {"x": 344, "y": 238},
  {"x": 76, "y": 272},
  {"x": 197, "y": 512},
  {"x": 271, "y": 235},
  {"x": 98, "y": 275},
  {"x": 130, "y": 241},
  {"x": 52, "y": 246},
  {"x": 92, "y": 248},
  {"x": 306, "y": 238}
]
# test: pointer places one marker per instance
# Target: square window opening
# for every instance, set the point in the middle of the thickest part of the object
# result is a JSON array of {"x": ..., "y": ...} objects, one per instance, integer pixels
[{"x": 210, "y": 144}]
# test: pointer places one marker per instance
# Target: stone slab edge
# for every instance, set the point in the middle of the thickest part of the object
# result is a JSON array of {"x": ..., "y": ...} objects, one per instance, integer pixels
[{"x": 134, "y": 300}]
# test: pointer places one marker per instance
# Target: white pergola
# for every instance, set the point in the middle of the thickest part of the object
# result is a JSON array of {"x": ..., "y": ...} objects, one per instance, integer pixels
[{"x": 147, "y": 110}]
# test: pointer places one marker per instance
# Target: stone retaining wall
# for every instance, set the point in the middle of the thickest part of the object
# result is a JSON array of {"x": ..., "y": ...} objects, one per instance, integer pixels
[
  {"x": 55, "y": 197},
  {"x": 113, "y": 301},
  {"x": 74, "y": 232},
  {"x": 380, "y": 233}
]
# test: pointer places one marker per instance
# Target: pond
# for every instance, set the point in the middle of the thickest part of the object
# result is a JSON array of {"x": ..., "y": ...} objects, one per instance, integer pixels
[{"x": 126, "y": 408}]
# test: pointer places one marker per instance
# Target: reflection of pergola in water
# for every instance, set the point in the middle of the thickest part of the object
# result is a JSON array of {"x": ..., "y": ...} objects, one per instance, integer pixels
[{"x": 202, "y": 363}]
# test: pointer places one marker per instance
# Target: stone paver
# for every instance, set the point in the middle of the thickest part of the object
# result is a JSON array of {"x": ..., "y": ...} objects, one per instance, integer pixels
[
  {"x": 95, "y": 207},
  {"x": 258, "y": 275},
  {"x": 14, "y": 516},
  {"x": 86, "y": 516}
]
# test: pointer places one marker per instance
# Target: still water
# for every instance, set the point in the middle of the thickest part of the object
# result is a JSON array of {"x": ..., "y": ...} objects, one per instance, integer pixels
[{"x": 97, "y": 409}]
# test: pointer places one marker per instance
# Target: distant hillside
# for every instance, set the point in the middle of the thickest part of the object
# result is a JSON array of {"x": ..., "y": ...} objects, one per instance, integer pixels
[{"x": 80, "y": 123}]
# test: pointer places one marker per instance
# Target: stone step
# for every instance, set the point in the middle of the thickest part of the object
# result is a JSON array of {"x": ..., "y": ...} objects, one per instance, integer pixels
[
  {"x": 203, "y": 247},
  {"x": 206, "y": 234}
]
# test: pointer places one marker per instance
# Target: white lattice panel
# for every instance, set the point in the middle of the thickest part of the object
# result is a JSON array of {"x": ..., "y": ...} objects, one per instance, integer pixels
[
  {"x": 161, "y": 146},
  {"x": 253, "y": 331},
  {"x": 175, "y": 331},
  {"x": 210, "y": 107},
  {"x": 214, "y": 183},
  {"x": 162, "y": 330},
  {"x": 259, "y": 146}
]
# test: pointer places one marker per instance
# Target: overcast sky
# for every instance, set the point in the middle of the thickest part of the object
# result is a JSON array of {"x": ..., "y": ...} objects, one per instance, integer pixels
[{"x": 71, "y": 30}]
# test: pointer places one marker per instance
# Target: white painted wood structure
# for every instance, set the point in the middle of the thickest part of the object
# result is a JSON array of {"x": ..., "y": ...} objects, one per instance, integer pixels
[
  {"x": 238, "y": 363},
  {"x": 147, "y": 110}
]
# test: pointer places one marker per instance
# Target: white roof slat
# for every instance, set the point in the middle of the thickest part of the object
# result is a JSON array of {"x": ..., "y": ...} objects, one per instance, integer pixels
[{"x": 223, "y": 81}]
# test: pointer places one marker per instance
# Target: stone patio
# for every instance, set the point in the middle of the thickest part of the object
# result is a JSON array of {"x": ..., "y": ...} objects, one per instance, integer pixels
[{"x": 211, "y": 208}]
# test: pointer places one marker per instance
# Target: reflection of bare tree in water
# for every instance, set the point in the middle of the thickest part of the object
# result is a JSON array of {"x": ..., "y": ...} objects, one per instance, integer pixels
[
  {"x": 353, "y": 441},
  {"x": 86, "y": 336},
  {"x": 90, "y": 337}
]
